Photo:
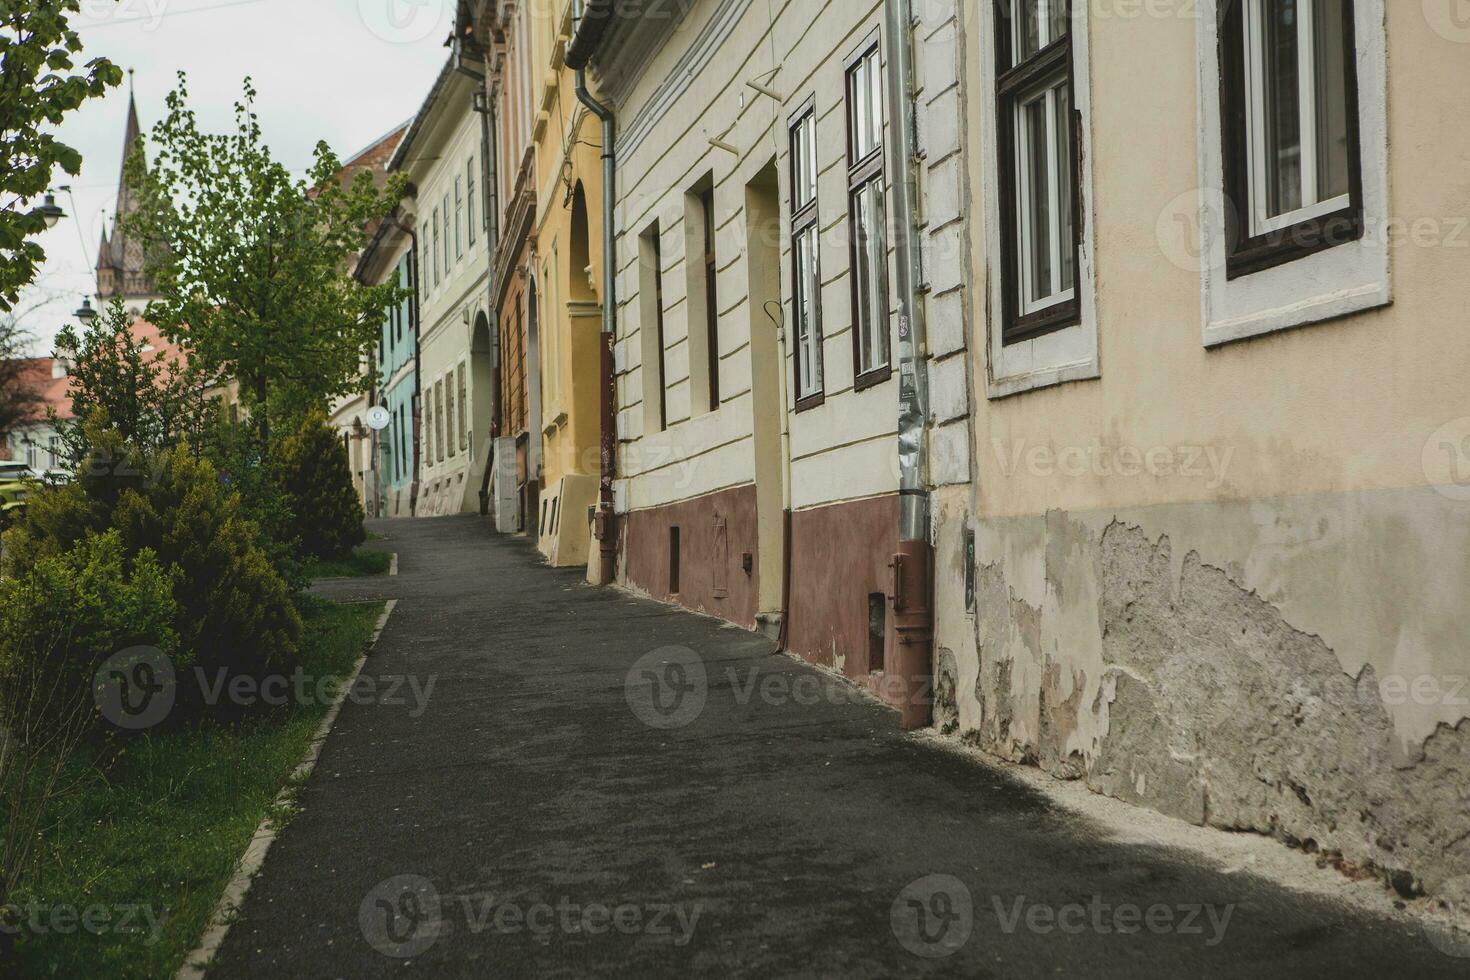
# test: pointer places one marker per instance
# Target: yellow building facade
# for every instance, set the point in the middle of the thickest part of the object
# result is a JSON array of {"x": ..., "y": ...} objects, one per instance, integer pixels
[{"x": 565, "y": 276}]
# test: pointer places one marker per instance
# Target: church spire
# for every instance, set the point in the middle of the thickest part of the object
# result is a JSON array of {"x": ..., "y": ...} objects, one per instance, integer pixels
[{"x": 121, "y": 270}]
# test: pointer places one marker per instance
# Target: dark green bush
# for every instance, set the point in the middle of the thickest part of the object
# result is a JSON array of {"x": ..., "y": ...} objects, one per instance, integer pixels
[
  {"x": 234, "y": 450},
  {"x": 236, "y": 611},
  {"x": 310, "y": 465},
  {"x": 232, "y": 611}
]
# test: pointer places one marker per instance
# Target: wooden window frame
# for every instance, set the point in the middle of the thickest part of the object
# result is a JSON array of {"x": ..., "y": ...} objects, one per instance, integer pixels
[
  {"x": 1012, "y": 82},
  {"x": 711, "y": 294},
  {"x": 656, "y": 238},
  {"x": 463, "y": 407},
  {"x": 862, "y": 171},
  {"x": 469, "y": 208},
  {"x": 805, "y": 221},
  {"x": 1246, "y": 253}
]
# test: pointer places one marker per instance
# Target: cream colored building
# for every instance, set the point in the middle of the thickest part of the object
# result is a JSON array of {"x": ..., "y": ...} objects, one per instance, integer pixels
[
  {"x": 1221, "y": 537},
  {"x": 443, "y": 156},
  {"x": 758, "y": 348}
]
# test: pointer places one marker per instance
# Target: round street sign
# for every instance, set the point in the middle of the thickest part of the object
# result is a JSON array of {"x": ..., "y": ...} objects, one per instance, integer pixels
[{"x": 378, "y": 418}]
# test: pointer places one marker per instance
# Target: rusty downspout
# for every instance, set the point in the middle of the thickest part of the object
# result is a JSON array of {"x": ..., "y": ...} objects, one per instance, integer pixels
[
  {"x": 606, "y": 521},
  {"x": 911, "y": 591}
]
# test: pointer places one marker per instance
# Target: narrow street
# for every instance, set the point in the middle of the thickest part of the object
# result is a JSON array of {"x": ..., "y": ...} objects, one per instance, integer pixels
[{"x": 521, "y": 817}]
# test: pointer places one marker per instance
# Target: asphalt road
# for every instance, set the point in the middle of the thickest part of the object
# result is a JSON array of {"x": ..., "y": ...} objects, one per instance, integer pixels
[{"x": 554, "y": 780}]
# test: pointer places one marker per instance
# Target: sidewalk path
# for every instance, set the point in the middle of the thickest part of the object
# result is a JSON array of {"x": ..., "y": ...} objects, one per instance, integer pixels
[{"x": 524, "y": 820}]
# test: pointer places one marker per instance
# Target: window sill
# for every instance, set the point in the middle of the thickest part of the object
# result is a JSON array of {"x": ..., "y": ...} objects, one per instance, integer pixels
[
  {"x": 1041, "y": 323},
  {"x": 1277, "y": 248},
  {"x": 810, "y": 402},
  {"x": 873, "y": 378}
]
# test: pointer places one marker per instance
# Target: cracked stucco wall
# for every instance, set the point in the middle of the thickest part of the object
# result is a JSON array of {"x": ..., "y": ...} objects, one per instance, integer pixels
[{"x": 1295, "y": 667}]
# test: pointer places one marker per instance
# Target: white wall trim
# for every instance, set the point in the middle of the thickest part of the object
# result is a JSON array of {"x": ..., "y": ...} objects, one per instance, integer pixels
[
  {"x": 1340, "y": 281},
  {"x": 1065, "y": 355}
]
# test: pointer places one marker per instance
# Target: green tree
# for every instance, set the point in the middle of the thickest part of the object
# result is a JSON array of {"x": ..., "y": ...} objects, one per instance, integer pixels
[
  {"x": 311, "y": 467},
  {"x": 153, "y": 402},
  {"x": 254, "y": 266},
  {"x": 38, "y": 87}
]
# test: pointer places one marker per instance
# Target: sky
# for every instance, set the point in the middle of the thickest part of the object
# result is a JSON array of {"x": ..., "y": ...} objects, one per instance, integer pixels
[{"x": 344, "y": 71}]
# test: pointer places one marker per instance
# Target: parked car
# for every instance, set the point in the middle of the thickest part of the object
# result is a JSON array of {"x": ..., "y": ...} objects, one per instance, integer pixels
[
  {"x": 13, "y": 494},
  {"x": 11, "y": 470}
]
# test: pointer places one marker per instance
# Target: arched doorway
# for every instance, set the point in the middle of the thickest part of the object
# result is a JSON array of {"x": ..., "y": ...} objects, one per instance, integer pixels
[{"x": 483, "y": 400}]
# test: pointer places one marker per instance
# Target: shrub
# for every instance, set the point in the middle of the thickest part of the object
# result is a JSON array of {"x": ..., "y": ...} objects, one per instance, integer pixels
[
  {"x": 66, "y": 613},
  {"x": 232, "y": 611},
  {"x": 236, "y": 611},
  {"x": 234, "y": 450},
  {"x": 311, "y": 467}
]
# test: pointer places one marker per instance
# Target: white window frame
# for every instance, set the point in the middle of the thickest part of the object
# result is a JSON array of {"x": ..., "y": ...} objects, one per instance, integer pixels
[
  {"x": 1345, "y": 279},
  {"x": 1025, "y": 220},
  {"x": 1070, "y": 353},
  {"x": 806, "y": 288},
  {"x": 808, "y": 303},
  {"x": 458, "y": 218},
  {"x": 469, "y": 210},
  {"x": 1262, "y": 222}
]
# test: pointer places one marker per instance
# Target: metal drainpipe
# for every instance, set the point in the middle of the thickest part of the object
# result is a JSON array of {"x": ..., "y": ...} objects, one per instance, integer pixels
[
  {"x": 491, "y": 315},
  {"x": 913, "y": 566},
  {"x": 490, "y": 176},
  {"x": 606, "y": 518},
  {"x": 418, "y": 384}
]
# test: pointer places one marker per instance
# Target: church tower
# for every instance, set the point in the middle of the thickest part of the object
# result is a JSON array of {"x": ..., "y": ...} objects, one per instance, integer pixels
[{"x": 121, "y": 272}]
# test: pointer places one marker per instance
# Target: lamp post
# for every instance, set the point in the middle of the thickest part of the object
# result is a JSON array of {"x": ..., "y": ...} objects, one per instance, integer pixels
[
  {"x": 85, "y": 313},
  {"x": 50, "y": 211}
]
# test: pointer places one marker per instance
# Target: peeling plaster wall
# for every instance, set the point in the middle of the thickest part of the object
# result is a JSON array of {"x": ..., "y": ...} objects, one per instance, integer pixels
[
  {"x": 1229, "y": 582},
  {"x": 1294, "y": 667}
]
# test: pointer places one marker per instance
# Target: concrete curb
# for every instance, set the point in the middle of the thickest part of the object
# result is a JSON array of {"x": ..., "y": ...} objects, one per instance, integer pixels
[{"x": 197, "y": 962}]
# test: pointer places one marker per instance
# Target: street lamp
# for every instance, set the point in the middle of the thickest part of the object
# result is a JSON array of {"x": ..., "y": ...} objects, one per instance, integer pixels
[
  {"x": 86, "y": 314},
  {"x": 51, "y": 212}
]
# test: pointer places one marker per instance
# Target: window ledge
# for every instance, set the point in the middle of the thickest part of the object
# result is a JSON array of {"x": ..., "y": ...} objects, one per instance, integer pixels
[
  {"x": 810, "y": 402},
  {"x": 873, "y": 378}
]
